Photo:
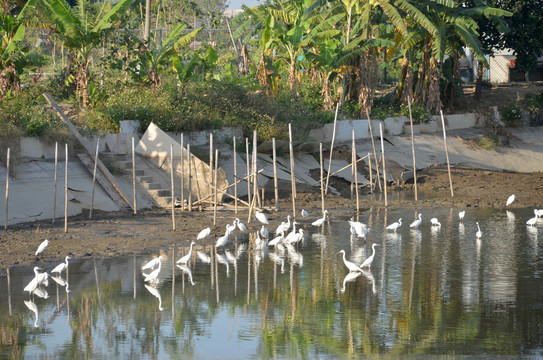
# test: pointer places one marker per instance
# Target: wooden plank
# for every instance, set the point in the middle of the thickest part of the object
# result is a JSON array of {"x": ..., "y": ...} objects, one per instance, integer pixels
[
  {"x": 106, "y": 185},
  {"x": 88, "y": 149}
]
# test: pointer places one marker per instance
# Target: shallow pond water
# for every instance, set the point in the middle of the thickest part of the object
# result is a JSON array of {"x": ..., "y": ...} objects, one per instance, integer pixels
[{"x": 431, "y": 292}]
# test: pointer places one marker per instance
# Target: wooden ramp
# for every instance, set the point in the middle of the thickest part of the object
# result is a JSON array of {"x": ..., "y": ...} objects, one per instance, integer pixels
[{"x": 89, "y": 162}]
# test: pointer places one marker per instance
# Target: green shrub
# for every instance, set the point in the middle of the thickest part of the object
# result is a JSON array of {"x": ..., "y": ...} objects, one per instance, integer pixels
[
  {"x": 489, "y": 141},
  {"x": 418, "y": 112},
  {"x": 511, "y": 114}
]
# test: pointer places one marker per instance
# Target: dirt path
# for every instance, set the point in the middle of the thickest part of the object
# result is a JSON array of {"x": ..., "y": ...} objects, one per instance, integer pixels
[{"x": 112, "y": 234}]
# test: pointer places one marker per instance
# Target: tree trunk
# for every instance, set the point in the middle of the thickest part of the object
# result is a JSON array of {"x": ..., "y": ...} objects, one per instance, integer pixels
[
  {"x": 263, "y": 75},
  {"x": 434, "y": 104},
  {"x": 9, "y": 80},
  {"x": 368, "y": 81},
  {"x": 401, "y": 81},
  {"x": 479, "y": 81},
  {"x": 327, "y": 100},
  {"x": 292, "y": 78}
]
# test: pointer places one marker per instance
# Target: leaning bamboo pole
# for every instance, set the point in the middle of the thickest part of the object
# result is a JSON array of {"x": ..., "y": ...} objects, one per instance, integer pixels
[
  {"x": 134, "y": 174},
  {"x": 215, "y": 188},
  {"x": 172, "y": 187},
  {"x": 275, "y": 175},
  {"x": 94, "y": 177},
  {"x": 447, "y": 152},
  {"x": 182, "y": 176},
  {"x": 189, "y": 177},
  {"x": 384, "y": 167},
  {"x": 292, "y": 176},
  {"x": 377, "y": 178},
  {"x": 331, "y": 150},
  {"x": 413, "y": 148},
  {"x": 322, "y": 177},
  {"x": 55, "y": 184},
  {"x": 355, "y": 169},
  {"x": 7, "y": 190}
]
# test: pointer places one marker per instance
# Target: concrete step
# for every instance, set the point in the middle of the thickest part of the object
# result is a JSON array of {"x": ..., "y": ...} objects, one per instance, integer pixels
[
  {"x": 160, "y": 193},
  {"x": 145, "y": 178},
  {"x": 152, "y": 185},
  {"x": 123, "y": 164},
  {"x": 163, "y": 201}
]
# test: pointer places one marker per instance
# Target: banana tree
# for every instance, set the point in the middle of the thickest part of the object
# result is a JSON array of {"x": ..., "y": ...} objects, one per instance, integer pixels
[
  {"x": 82, "y": 35},
  {"x": 158, "y": 56},
  {"x": 13, "y": 57}
]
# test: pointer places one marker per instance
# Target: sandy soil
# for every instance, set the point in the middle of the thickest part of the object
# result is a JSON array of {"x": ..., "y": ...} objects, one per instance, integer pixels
[{"x": 111, "y": 234}]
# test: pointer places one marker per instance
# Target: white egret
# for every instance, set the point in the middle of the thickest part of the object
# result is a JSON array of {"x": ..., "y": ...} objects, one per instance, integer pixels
[
  {"x": 151, "y": 264},
  {"x": 350, "y": 265},
  {"x": 320, "y": 221},
  {"x": 395, "y": 225},
  {"x": 185, "y": 259},
  {"x": 187, "y": 271},
  {"x": 221, "y": 241},
  {"x": 153, "y": 276},
  {"x": 538, "y": 213},
  {"x": 283, "y": 227},
  {"x": 277, "y": 240},
  {"x": 261, "y": 217},
  {"x": 32, "y": 307},
  {"x": 415, "y": 224},
  {"x": 61, "y": 267},
  {"x": 461, "y": 215},
  {"x": 203, "y": 234},
  {"x": 43, "y": 279},
  {"x": 435, "y": 222},
  {"x": 33, "y": 284},
  {"x": 241, "y": 226},
  {"x": 154, "y": 291},
  {"x": 479, "y": 233},
  {"x": 367, "y": 263},
  {"x": 297, "y": 237},
  {"x": 59, "y": 280},
  {"x": 510, "y": 200},
  {"x": 532, "y": 221},
  {"x": 229, "y": 229},
  {"x": 41, "y": 292},
  {"x": 304, "y": 213},
  {"x": 359, "y": 228},
  {"x": 42, "y": 247},
  {"x": 291, "y": 234},
  {"x": 264, "y": 232}
]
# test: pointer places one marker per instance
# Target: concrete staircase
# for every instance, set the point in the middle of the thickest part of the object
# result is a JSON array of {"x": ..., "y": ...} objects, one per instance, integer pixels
[{"x": 148, "y": 177}]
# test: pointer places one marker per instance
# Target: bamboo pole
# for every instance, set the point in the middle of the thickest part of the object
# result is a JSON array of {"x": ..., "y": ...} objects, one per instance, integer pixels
[
  {"x": 55, "y": 183},
  {"x": 331, "y": 150},
  {"x": 255, "y": 178},
  {"x": 377, "y": 178},
  {"x": 353, "y": 160},
  {"x": 211, "y": 156},
  {"x": 413, "y": 149},
  {"x": 9, "y": 290},
  {"x": 322, "y": 178},
  {"x": 248, "y": 170},
  {"x": 447, "y": 152},
  {"x": 66, "y": 192},
  {"x": 182, "y": 176},
  {"x": 275, "y": 175},
  {"x": 215, "y": 192},
  {"x": 94, "y": 177},
  {"x": 190, "y": 177},
  {"x": 7, "y": 189},
  {"x": 134, "y": 174},
  {"x": 292, "y": 176},
  {"x": 355, "y": 174},
  {"x": 384, "y": 167},
  {"x": 235, "y": 178},
  {"x": 371, "y": 175},
  {"x": 173, "y": 187}
]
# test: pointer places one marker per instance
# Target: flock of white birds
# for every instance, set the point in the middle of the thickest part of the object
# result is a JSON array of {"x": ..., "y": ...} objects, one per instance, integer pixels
[{"x": 283, "y": 239}]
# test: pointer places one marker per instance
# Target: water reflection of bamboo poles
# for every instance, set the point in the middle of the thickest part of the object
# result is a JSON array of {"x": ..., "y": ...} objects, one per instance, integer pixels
[
  {"x": 97, "y": 282},
  {"x": 173, "y": 279},
  {"x": 248, "y": 280},
  {"x": 216, "y": 276},
  {"x": 134, "y": 279},
  {"x": 9, "y": 291}
]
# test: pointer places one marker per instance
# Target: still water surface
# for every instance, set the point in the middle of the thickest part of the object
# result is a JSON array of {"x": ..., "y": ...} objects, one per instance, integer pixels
[{"x": 430, "y": 292}]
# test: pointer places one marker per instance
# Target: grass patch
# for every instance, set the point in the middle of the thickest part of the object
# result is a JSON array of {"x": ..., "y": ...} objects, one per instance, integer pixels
[{"x": 489, "y": 141}]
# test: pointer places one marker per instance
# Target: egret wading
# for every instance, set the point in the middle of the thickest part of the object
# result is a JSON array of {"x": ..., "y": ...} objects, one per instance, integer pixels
[
  {"x": 395, "y": 225},
  {"x": 415, "y": 224},
  {"x": 479, "y": 233},
  {"x": 185, "y": 259},
  {"x": 61, "y": 267},
  {"x": 350, "y": 265},
  {"x": 320, "y": 221},
  {"x": 367, "y": 263}
]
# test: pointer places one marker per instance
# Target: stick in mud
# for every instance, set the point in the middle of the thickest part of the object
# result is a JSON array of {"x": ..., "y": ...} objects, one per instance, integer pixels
[
  {"x": 446, "y": 152},
  {"x": 371, "y": 175},
  {"x": 413, "y": 149},
  {"x": 215, "y": 190},
  {"x": 292, "y": 176},
  {"x": 355, "y": 170},
  {"x": 331, "y": 150},
  {"x": 134, "y": 174},
  {"x": 275, "y": 175},
  {"x": 66, "y": 192},
  {"x": 94, "y": 177},
  {"x": 173, "y": 187},
  {"x": 7, "y": 190},
  {"x": 235, "y": 177},
  {"x": 384, "y": 167},
  {"x": 255, "y": 179},
  {"x": 248, "y": 170},
  {"x": 211, "y": 157},
  {"x": 182, "y": 176},
  {"x": 377, "y": 178},
  {"x": 322, "y": 177},
  {"x": 54, "y": 184},
  {"x": 189, "y": 177}
]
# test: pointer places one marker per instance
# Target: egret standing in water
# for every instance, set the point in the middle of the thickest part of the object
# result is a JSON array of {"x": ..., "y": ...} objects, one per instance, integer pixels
[
  {"x": 241, "y": 226},
  {"x": 479, "y": 233},
  {"x": 350, "y": 265},
  {"x": 320, "y": 221},
  {"x": 395, "y": 225},
  {"x": 42, "y": 247},
  {"x": 152, "y": 277},
  {"x": 435, "y": 222},
  {"x": 304, "y": 213},
  {"x": 33, "y": 284},
  {"x": 368, "y": 261},
  {"x": 415, "y": 224},
  {"x": 61, "y": 267},
  {"x": 151, "y": 264},
  {"x": 510, "y": 200},
  {"x": 185, "y": 259},
  {"x": 461, "y": 215},
  {"x": 532, "y": 221}
]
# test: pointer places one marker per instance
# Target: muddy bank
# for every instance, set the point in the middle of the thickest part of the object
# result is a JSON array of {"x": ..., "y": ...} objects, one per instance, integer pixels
[{"x": 112, "y": 234}]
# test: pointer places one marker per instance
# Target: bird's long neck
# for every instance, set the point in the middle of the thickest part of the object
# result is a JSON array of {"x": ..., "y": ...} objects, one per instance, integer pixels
[{"x": 344, "y": 259}]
